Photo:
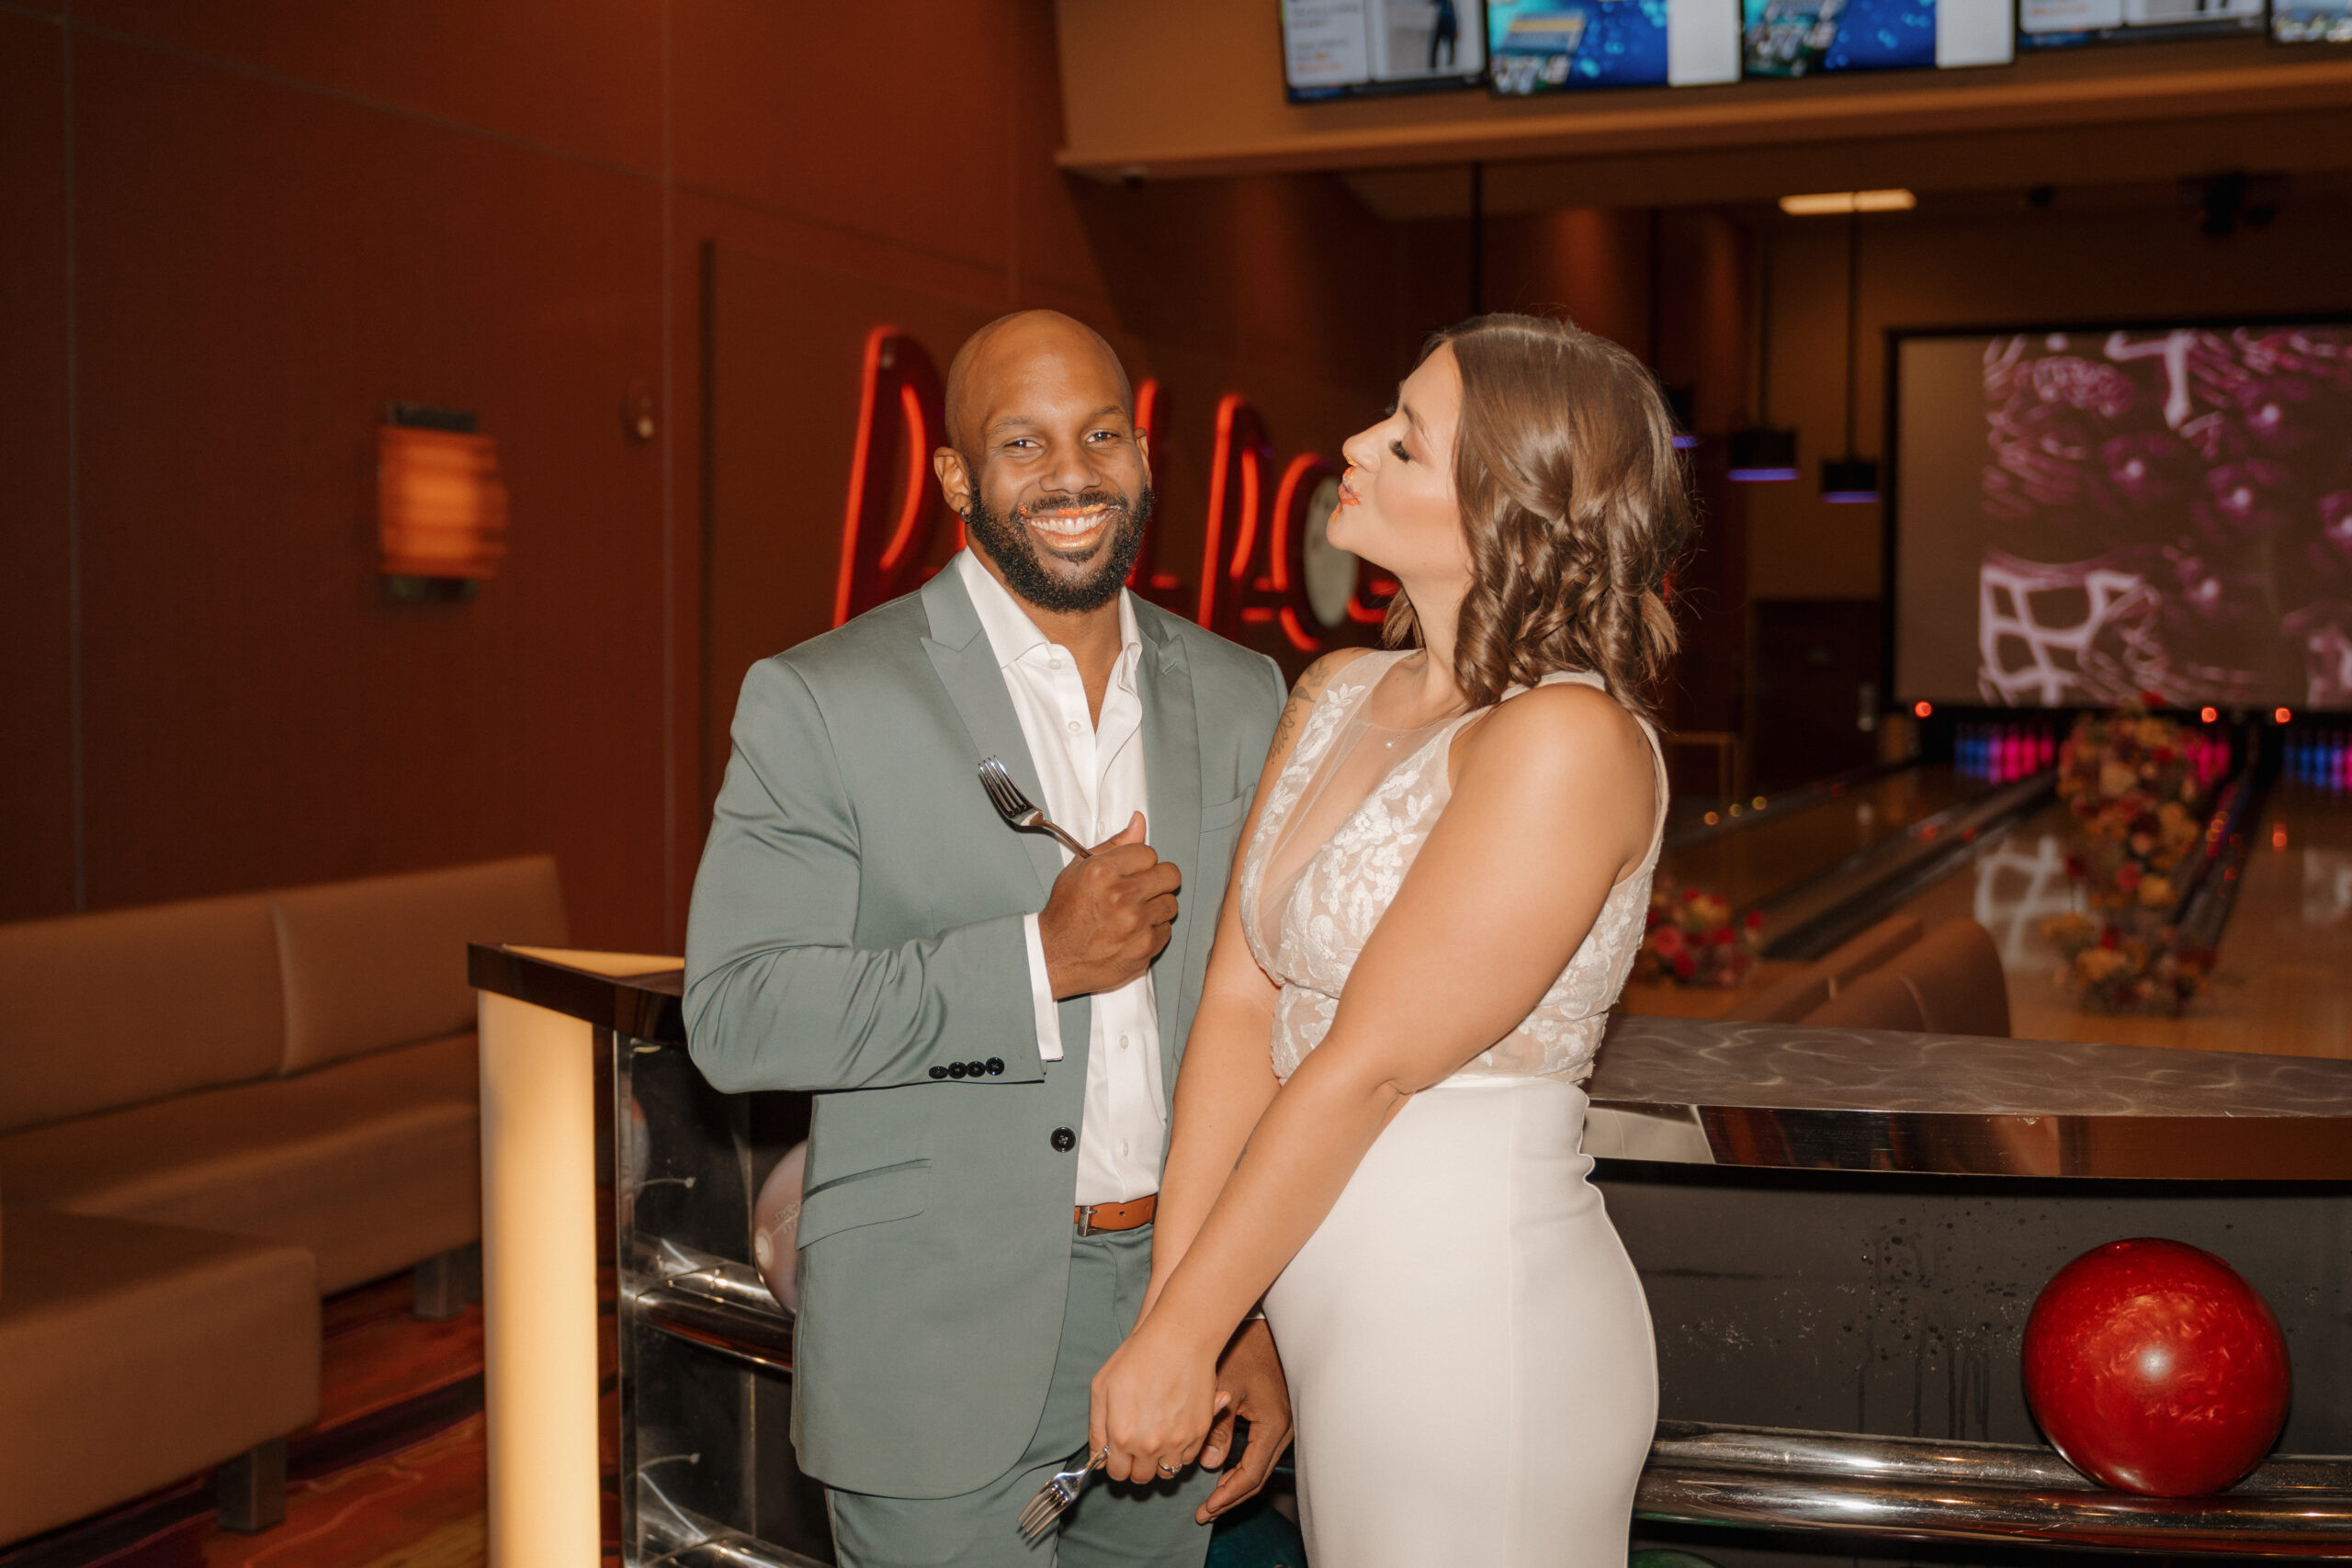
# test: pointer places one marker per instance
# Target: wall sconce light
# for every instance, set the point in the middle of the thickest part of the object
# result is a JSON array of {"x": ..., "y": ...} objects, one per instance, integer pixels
[
  {"x": 1763, "y": 454},
  {"x": 440, "y": 504}
]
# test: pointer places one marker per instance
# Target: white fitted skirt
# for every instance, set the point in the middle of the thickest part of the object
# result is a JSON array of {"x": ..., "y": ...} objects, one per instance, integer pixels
[{"x": 1467, "y": 1345}]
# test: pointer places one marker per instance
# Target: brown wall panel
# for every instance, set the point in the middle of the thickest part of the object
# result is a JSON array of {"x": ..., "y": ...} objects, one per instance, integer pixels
[
  {"x": 581, "y": 75},
  {"x": 885, "y": 120},
  {"x": 37, "y": 871},
  {"x": 262, "y": 270},
  {"x": 786, "y": 346},
  {"x": 1048, "y": 240},
  {"x": 700, "y": 223},
  {"x": 1590, "y": 266}
]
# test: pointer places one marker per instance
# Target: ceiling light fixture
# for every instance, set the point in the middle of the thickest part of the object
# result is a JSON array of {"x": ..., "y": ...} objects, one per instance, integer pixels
[{"x": 1831, "y": 203}]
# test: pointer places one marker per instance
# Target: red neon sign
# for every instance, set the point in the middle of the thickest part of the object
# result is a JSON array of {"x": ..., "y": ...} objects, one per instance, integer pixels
[
  {"x": 1234, "y": 459},
  {"x": 1263, "y": 579},
  {"x": 1164, "y": 589},
  {"x": 882, "y": 557},
  {"x": 1288, "y": 582}
]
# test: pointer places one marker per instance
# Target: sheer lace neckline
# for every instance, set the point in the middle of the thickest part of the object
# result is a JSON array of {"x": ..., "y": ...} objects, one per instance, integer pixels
[
  {"x": 1342, "y": 824},
  {"x": 1342, "y": 759}
]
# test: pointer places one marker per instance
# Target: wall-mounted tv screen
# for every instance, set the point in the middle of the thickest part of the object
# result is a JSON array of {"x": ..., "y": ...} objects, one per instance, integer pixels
[
  {"x": 2069, "y": 24},
  {"x": 1806, "y": 38},
  {"x": 1553, "y": 46},
  {"x": 1338, "y": 49},
  {"x": 2311, "y": 21},
  {"x": 2084, "y": 515}
]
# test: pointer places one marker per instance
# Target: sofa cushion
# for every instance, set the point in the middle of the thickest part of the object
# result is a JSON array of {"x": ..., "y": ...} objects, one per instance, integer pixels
[
  {"x": 1877, "y": 1000},
  {"x": 112, "y": 1010},
  {"x": 133, "y": 1355},
  {"x": 1955, "y": 975},
  {"x": 373, "y": 1164},
  {"x": 382, "y": 961},
  {"x": 1785, "y": 1000},
  {"x": 1857, "y": 955}
]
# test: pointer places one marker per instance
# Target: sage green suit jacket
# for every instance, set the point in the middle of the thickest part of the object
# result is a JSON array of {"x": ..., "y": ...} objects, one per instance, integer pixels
[{"x": 857, "y": 924}]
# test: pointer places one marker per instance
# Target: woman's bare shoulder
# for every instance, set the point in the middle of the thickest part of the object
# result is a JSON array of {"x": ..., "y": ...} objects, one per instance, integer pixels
[{"x": 1564, "y": 732}]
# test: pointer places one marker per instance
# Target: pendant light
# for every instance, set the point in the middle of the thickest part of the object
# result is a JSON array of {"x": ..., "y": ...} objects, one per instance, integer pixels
[
  {"x": 1850, "y": 481},
  {"x": 1763, "y": 453},
  {"x": 1680, "y": 401}
]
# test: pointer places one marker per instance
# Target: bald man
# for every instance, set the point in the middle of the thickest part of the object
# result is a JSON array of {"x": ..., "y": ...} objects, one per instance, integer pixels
[{"x": 992, "y": 1025}]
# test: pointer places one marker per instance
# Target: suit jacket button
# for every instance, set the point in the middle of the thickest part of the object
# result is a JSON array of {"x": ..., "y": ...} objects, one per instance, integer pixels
[
  {"x": 939, "y": 1072},
  {"x": 975, "y": 1069},
  {"x": 996, "y": 1066},
  {"x": 1065, "y": 1140},
  {"x": 954, "y": 1069}
]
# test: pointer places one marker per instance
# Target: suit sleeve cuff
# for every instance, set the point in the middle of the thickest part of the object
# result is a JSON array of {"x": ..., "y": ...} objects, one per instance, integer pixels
[{"x": 1041, "y": 993}]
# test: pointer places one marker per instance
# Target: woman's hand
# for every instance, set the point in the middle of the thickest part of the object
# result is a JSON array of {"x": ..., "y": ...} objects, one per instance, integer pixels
[{"x": 1153, "y": 1403}]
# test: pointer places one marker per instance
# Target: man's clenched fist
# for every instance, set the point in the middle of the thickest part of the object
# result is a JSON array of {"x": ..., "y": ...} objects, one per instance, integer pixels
[{"x": 1108, "y": 915}]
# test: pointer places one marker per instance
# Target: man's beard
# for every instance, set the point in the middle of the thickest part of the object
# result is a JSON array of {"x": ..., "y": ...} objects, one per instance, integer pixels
[{"x": 1008, "y": 542}]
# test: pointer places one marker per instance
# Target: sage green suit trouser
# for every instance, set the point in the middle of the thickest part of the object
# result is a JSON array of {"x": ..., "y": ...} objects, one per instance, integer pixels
[{"x": 1111, "y": 1526}]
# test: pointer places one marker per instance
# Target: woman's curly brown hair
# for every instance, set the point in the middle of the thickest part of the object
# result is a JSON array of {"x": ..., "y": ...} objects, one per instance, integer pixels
[{"x": 1574, "y": 506}]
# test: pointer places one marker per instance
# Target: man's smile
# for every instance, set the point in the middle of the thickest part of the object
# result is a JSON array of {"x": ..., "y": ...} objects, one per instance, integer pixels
[{"x": 1071, "y": 531}]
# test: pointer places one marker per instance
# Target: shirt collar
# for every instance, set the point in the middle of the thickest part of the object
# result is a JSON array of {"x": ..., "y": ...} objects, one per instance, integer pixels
[{"x": 1012, "y": 635}]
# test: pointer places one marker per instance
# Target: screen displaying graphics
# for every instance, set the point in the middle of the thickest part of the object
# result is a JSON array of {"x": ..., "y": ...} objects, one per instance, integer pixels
[
  {"x": 2085, "y": 514},
  {"x": 1337, "y": 49},
  {"x": 2311, "y": 21},
  {"x": 1550, "y": 46},
  {"x": 2066, "y": 24},
  {"x": 1806, "y": 38}
]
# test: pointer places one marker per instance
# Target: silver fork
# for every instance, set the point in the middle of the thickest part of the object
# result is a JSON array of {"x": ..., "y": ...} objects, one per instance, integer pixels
[
  {"x": 1016, "y": 809},
  {"x": 1053, "y": 1499}
]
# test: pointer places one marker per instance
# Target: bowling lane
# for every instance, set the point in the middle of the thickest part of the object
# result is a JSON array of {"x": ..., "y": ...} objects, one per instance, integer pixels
[
  {"x": 2281, "y": 985},
  {"x": 1752, "y": 863}
]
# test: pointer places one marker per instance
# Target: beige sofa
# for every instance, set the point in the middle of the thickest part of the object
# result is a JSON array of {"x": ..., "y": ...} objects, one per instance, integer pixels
[
  {"x": 182, "y": 1084},
  {"x": 132, "y": 1355}
]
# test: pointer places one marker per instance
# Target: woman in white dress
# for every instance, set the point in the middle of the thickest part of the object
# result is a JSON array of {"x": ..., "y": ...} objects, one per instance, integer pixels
[{"x": 1378, "y": 1126}]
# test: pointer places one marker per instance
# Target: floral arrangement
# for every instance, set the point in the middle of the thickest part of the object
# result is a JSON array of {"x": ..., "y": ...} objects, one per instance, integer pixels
[
  {"x": 2121, "y": 973},
  {"x": 1693, "y": 940},
  {"x": 2129, "y": 779}
]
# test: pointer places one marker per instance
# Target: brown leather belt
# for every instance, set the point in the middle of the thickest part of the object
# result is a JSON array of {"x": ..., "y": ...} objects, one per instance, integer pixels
[{"x": 1092, "y": 1219}]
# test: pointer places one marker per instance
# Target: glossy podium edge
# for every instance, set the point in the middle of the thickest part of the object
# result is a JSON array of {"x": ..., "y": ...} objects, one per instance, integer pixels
[{"x": 541, "y": 1012}]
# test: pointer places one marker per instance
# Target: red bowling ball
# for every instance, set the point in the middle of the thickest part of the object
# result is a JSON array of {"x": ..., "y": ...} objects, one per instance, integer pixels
[{"x": 2154, "y": 1368}]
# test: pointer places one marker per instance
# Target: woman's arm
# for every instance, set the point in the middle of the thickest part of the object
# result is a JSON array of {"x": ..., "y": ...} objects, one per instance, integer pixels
[
  {"x": 1552, "y": 804},
  {"x": 1228, "y": 1072}
]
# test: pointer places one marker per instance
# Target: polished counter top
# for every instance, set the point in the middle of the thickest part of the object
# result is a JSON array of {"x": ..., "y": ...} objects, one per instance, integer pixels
[
  {"x": 1795, "y": 1097},
  {"x": 1688, "y": 1061}
]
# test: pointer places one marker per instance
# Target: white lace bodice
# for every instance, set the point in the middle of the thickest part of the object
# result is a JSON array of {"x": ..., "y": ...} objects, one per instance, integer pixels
[{"x": 1347, "y": 884}]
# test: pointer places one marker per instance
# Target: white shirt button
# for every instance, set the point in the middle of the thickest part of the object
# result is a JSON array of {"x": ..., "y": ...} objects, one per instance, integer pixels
[
  {"x": 1073, "y": 727},
  {"x": 1053, "y": 663},
  {"x": 1123, "y": 1042},
  {"x": 1123, "y": 1149}
]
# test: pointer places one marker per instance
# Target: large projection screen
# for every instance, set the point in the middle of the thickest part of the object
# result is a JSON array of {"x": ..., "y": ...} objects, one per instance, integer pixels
[{"x": 2087, "y": 515}]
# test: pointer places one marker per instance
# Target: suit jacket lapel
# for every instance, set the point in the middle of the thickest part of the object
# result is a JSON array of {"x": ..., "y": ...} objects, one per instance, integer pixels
[
  {"x": 959, "y": 650},
  {"x": 1172, "y": 759}
]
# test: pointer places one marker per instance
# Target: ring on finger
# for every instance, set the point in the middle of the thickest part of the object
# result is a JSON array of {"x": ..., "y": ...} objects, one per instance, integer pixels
[{"x": 1167, "y": 1469}]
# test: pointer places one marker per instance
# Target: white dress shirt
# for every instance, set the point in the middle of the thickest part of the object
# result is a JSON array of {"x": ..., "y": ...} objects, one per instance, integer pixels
[{"x": 1094, "y": 779}]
